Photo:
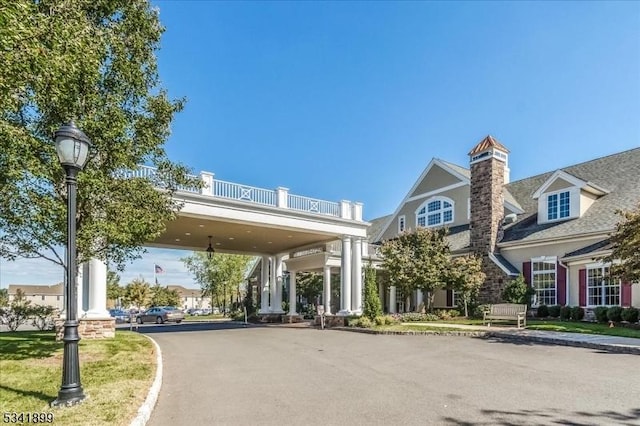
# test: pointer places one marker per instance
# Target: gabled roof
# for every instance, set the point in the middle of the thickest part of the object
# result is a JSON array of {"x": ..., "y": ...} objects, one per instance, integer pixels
[
  {"x": 617, "y": 173},
  {"x": 457, "y": 171},
  {"x": 575, "y": 181},
  {"x": 37, "y": 290},
  {"x": 487, "y": 143},
  {"x": 592, "y": 249}
]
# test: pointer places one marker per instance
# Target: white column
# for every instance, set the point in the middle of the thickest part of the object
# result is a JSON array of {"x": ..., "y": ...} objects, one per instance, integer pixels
[
  {"x": 326, "y": 290},
  {"x": 277, "y": 308},
  {"x": 381, "y": 294},
  {"x": 419, "y": 299},
  {"x": 264, "y": 283},
  {"x": 392, "y": 300},
  {"x": 81, "y": 277},
  {"x": 356, "y": 276},
  {"x": 97, "y": 289},
  {"x": 345, "y": 277},
  {"x": 207, "y": 179},
  {"x": 292, "y": 293},
  {"x": 272, "y": 284}
]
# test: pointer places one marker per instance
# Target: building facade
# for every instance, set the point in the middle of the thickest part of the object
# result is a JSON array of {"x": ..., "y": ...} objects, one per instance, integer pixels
[{"x": 552, "y": 228}]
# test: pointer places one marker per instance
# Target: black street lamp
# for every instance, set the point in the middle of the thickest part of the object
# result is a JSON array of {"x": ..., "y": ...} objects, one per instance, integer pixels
[
  {"x": 210, "y": 250},
  {"x": 72, "y": 146}
]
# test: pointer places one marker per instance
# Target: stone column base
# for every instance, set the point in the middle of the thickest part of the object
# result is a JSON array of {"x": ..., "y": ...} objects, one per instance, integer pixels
[
  {"x": 330, "y": 320},
  {"x": 104, "y": 328},
  {"x": 289, "y": 319}
]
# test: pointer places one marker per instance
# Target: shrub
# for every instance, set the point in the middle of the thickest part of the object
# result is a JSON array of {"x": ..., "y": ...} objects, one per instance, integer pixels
[
  {"x": 372, "y": 306},
  {"x": 454, "y": 313},
  {"x": 479, "y": 310},
  {"x": 379, "y": 320},
  {"x": 42, "y": 317},
  {"x": 543, "y": 311},
  {"x": 577, "y": 313},
  {"x": 446, "y": 315},
  {"x": 365, "y": 322},
  {"x": 565, "y": 313},
  {"x": 388, "y": 320},
  {"x": 614, "y": 314},
  {"x": 601, "y": 313},
  {"x": 413, "y": 316},
  {"x": 630, "y": 315},
  {"x": 554, "y": 311},
  {"x": 517, "y": 291}
]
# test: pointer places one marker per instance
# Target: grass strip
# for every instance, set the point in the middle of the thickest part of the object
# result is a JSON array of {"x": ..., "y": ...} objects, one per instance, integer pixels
[{"x": 115, "y": 374}]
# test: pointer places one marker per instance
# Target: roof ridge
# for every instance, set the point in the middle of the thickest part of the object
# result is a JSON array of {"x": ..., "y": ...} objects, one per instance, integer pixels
[{"x": 564, "y": 169}]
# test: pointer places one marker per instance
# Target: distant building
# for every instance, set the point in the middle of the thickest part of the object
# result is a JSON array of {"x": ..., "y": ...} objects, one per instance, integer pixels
[
  {"x": 51, "y": 295},
  {"x": 191, "y": 297}
]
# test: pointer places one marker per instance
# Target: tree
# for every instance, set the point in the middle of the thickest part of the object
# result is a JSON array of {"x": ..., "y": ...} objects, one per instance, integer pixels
[
  {"x": 137, "y": 293},
  {"x": 309, "y": 286},
  {"x": 114, "y": 291},
  {"x": 162, "y": 296},
  {"x": 372, "y": 307},
  {"x": 626, "y": 246},
  {"x": 517, "y": 291},
  {"x": 92, "y": 61},
  {"x": 18, "y": 311},
  {"x": 465, "y": 276},
  {"x": 4, "y": 297},
  {"x": 218, "y": 277},
  {"x": 417, "y": 260},
  {"x": 42, "y": 317}
]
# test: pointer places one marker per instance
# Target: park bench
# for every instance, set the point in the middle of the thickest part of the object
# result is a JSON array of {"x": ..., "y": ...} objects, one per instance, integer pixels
[{"x": 506, "y": 311}]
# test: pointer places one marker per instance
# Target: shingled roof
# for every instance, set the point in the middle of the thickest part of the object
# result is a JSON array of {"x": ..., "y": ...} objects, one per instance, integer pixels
[{"x": 617, "y": 173}]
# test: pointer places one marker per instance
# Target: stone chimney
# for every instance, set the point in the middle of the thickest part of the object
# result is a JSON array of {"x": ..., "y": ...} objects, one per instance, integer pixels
[{"x": 488, "y": 162}]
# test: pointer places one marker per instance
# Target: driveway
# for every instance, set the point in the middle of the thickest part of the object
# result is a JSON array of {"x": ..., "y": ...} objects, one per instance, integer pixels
[{"x": 225, "y": 374}]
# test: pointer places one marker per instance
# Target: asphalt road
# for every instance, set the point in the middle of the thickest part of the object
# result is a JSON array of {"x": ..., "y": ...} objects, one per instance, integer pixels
[{"x": 222, "y": 374}]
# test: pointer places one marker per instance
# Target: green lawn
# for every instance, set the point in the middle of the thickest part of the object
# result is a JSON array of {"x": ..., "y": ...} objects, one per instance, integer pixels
[
  {"x": 115, "y": 374},
  {"x": 204, "y": 317},
  {"x": 582, "y": 327}
]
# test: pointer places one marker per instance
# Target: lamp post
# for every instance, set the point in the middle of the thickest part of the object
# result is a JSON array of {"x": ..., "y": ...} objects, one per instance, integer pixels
[{"x": 72, "y": 146}]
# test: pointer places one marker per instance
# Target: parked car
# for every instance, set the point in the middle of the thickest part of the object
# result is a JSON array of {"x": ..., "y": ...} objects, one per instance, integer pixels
[
  {"x": 119, "y": 315},
  {"x": 160, "y": 315},
  {"x": 195, "y": 312}
]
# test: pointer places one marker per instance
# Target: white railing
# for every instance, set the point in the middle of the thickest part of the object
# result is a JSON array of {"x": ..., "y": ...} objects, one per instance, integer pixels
[
  {"x": 306, "y": 204},
  {"x": 267, "y": 197},
  {"x": 307, "y": 252},
  {"x": 371, "y": 250},
  {"x": 234, "y": 191}
]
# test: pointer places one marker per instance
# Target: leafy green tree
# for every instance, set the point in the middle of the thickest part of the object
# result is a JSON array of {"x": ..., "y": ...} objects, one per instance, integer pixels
[
  {"x": 465, "y": 276},
  {"x": 42, "y": 317},
  {"x": 114, "y": 291},
  {"x": 626, "y": 246},
  {"x": 93, "y": 61},
  {"x": 162, "y": 296},
  {"x": 4, "y": 297},
  {"x": 137, "y": 293},
  {"x": 372, "y": 306},
  {"x": 18, "y": 311},
  {"x": 417, "y": 260},
  {"x": 309, "y": 286},
  {"x": 219, "y": 277},
  {"x": 517, "y": 291}
]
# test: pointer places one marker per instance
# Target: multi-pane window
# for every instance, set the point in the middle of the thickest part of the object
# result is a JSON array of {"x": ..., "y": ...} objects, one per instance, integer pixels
[
  {"x": 558, "y": 206},
  {"x": 602, "y": 290},
  {"x": 543, "y": 281},
  {"x": 434, "y": 212}
]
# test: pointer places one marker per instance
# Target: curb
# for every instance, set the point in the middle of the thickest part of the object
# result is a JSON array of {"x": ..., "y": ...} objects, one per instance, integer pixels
[
  {"x": 622, "y": 349},
  {"x": 412, "y": 332},
  {"x": 634, "y": 350},
  {"x": 144, "y": 412}
]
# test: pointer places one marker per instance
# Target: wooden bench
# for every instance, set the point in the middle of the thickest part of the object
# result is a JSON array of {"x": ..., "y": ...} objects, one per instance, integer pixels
[{"x": 506, "y": 311}]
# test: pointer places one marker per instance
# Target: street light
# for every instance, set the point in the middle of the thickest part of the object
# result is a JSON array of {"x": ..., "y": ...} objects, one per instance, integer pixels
[{"x": 72, "y": 146}]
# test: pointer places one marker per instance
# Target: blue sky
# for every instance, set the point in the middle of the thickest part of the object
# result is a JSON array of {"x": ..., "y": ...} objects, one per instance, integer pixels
[{"x": 351, "y": 100}]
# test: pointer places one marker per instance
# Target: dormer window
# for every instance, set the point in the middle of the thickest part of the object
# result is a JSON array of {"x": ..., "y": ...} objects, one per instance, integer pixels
[
  {"x": 558, "y": 205},
  {"x": 435, "y": 211}
]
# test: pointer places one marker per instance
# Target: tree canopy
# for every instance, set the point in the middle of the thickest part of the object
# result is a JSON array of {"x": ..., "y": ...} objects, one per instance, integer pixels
[
  {"x": 626, "y": 246},
  {"x": 219, "y": 277},
  {"x": 465, "y": 276},
  {"x": 418, "y": 260},
  {"x": 94, "y": 62}
]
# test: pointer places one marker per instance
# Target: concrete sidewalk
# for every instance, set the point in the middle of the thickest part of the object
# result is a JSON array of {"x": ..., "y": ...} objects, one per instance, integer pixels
[{"x": 593, "y": 341}]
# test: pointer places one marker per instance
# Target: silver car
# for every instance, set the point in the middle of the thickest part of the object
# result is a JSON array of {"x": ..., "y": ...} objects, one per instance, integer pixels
[{"x": 160, "y": 315}]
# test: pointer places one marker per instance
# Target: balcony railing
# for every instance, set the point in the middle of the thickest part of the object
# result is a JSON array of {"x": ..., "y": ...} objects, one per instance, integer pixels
[{"x": 278, "y": 197}]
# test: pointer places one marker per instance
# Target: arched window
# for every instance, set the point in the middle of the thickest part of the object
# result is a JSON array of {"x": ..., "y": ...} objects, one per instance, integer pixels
[{"x": 435, "y": 211}]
